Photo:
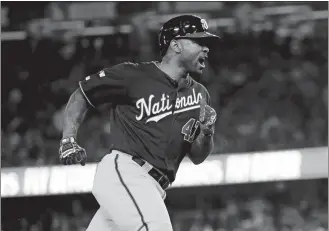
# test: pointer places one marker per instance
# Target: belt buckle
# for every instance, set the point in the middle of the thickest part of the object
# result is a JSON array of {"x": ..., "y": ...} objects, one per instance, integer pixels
[{"x": 166, "y": 183}]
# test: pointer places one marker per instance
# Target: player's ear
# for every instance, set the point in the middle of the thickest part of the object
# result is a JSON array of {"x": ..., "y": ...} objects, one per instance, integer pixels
[{"x": 176, "y": 46}]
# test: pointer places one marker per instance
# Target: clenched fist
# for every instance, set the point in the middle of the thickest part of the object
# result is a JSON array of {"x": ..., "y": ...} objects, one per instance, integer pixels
[
  {"x": 207, "y": 118},
  {"x": 71, "y": 153}
]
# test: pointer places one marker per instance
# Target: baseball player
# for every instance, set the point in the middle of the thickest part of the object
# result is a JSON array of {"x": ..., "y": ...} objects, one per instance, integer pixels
[{"x": 159, "y": 115}]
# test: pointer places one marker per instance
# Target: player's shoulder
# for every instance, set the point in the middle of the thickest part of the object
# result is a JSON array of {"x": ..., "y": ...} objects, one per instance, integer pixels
[
  {"x": 121, "y": 70},
  {"x": 202, "y": 89},
  {"x": 199, "y": 86},
  {"x": 121, "y": 66},
  {"x": 129, "y": 66}
]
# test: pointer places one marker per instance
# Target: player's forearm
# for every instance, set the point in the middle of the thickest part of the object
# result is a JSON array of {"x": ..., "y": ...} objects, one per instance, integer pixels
[
  {"x": 74, "y": 114},
  {"x": 201, "y": 148}
]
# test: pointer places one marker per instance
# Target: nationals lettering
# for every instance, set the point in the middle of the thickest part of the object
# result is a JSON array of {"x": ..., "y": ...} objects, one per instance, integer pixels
[{"x": 157, "y": 110}]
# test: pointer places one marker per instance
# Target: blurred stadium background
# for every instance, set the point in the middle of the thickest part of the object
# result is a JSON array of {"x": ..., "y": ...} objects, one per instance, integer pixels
[{"x": 268, "y": 83}]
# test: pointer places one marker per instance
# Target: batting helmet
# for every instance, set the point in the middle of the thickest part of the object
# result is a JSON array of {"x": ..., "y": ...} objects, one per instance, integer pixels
[{"x": 184, "y": 26}]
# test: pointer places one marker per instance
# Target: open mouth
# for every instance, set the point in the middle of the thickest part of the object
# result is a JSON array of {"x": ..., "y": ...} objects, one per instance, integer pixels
[{"x": 202, "y": 62}]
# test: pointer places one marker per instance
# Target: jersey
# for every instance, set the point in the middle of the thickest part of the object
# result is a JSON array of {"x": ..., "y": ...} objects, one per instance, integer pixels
[{"x": 153, "y": 116}]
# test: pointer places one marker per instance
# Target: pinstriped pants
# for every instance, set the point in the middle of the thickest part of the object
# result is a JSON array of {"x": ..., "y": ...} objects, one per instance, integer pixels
[{"x": 129, "y": 198}]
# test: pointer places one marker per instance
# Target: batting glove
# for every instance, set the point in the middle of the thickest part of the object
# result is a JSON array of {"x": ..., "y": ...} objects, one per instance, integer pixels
[
  {"x": 207, "y": 118},
  {"x": 71, "y": 153}
]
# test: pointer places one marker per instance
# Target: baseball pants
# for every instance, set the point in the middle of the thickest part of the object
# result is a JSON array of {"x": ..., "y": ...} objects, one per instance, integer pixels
[{"x": 129, "y": 198}]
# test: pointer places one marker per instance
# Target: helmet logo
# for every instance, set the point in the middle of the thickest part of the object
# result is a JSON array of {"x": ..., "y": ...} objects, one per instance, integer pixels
[{"x": 204, "y": 24}]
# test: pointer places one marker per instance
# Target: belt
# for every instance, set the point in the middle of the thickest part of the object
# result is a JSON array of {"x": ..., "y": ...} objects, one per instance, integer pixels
[{"x": 158, "y": 176}]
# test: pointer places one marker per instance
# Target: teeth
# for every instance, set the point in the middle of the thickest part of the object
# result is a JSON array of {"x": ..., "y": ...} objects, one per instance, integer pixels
[{"x": 202, "y": 63}]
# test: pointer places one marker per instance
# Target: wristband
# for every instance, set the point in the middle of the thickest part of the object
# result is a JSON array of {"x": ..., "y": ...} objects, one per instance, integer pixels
[{"x": 68, "y": 140}]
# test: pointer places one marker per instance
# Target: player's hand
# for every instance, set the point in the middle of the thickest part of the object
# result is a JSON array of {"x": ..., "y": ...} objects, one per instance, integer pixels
[
  {"x": 207, "y": 118},
  {"x": 71, "y": 153}
]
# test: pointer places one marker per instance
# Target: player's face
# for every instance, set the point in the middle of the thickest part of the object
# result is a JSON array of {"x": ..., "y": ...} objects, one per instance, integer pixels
[{"x": 193, "y": 55}]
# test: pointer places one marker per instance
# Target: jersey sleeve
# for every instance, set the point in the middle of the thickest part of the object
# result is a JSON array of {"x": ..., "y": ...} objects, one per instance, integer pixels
[
  {"x": 207, "y": 95},
  {"x": 208, "y": 99},
  {"x": 107, "y": 86}
]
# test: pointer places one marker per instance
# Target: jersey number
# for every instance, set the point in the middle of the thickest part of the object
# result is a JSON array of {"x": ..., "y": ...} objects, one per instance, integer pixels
[{"x": 189, "y": 129}]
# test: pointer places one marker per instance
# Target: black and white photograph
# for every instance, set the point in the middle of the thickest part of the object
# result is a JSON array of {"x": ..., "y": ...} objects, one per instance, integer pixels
[{"x": 164, "y": 116}]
